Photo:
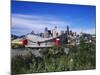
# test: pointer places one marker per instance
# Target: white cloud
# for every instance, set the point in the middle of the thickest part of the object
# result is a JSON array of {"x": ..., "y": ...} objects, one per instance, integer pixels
[
  {"x": 25, "y": 23},
  {"x": 36, "y": 23}
]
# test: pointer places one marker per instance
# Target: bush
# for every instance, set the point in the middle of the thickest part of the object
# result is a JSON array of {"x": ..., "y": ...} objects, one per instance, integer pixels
[{"x": 80, "y": 57}]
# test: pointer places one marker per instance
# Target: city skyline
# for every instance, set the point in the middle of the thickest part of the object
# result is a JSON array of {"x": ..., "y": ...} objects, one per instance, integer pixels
[{"x": 28, "y": 16}]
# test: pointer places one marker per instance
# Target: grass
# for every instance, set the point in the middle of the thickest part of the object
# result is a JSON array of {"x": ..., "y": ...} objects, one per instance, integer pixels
[{"x": 80, "y": 57}]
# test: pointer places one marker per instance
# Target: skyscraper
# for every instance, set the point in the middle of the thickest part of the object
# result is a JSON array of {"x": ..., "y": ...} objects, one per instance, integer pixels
[
  {"x": 67, "y": 29},
  {"x": 46, "y": 29},
  {"x": 46, "y": 32},
  {"x": 55, "y": 31}
]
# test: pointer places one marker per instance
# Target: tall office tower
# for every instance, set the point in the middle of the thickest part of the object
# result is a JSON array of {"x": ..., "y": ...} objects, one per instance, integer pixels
[
  {"x": 50, "y": 33},
  {"x": 68, "y": 29},
  {"x": 46, "y": 32},
  {"x": 46, "y": 29},
  {"x": 55, "y": 31}
]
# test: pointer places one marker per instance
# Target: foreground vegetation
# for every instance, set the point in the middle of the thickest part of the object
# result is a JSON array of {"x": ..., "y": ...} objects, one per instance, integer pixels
[{"x": 81, "y": 57}]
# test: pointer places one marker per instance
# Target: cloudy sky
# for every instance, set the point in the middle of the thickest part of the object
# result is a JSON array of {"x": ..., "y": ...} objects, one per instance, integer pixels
[{"x": 28, "y": 16}]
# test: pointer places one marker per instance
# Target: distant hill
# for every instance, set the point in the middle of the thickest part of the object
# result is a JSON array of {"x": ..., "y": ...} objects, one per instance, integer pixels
[
  {"x": 23, "y": 36},
  {"x": 14, "y": 36}
]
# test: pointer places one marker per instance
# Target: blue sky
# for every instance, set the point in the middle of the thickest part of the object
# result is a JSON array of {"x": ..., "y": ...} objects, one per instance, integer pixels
[{"x": 28, "y": 16}]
